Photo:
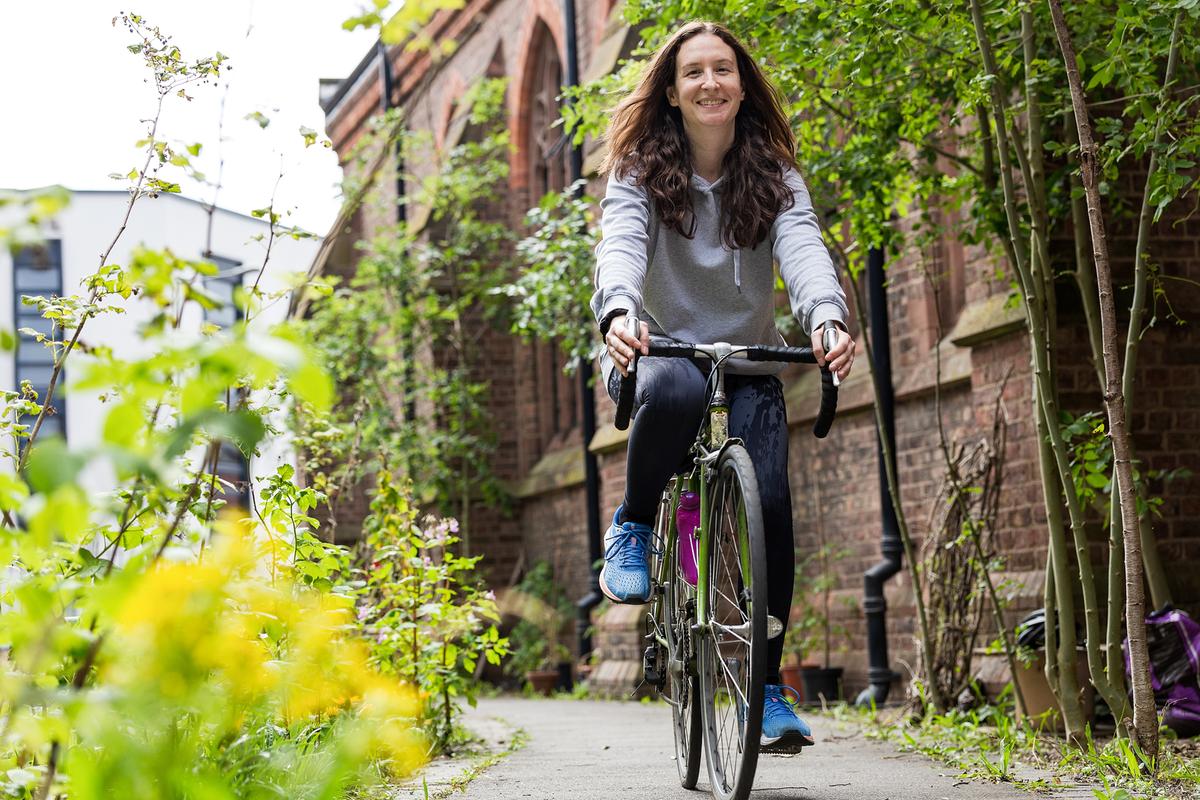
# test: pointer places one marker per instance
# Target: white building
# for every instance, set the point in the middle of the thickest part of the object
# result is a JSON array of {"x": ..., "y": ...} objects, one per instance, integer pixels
[{"x": 74, "y": 242}]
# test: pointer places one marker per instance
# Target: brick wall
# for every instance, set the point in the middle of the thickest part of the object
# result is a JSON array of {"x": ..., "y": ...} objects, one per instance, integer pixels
[{"x": 1166, "y": 418}]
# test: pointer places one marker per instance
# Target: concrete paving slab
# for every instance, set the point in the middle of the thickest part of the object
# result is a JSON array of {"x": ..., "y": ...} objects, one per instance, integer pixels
[
  {"x": 598, "y": 749},
  {"x": 443, "y": 777}
]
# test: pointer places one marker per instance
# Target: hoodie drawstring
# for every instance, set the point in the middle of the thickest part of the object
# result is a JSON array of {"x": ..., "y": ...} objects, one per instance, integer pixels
[{"x": 737, "y": 268}]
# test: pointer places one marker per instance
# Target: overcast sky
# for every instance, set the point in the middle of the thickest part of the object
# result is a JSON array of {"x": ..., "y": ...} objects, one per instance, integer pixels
[{"x": 73, "y": 96}]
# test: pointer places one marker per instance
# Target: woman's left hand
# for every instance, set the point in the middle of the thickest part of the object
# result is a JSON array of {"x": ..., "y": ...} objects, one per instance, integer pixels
[{"x": 840, "y": 358}]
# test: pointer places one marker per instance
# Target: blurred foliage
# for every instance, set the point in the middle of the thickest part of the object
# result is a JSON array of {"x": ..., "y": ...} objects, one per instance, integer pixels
[{"x": 159, "y": 642}]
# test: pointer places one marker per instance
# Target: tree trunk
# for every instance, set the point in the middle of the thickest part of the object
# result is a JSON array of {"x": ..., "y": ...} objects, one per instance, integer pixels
[
  {"x": 1085, "y": 276},
  {"x": 1060, "y": 599},
  {"x": 1145, "y": 719},
  {"x": 1114, "y": 630}
]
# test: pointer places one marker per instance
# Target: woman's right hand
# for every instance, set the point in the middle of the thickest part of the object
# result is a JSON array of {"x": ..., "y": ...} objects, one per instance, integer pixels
[{"x": 622, "y": 343}]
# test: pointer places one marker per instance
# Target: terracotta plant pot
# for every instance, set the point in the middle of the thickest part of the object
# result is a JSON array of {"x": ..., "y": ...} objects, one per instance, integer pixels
[
  {"x": 790, "y": 675},
  {"x": 992, "y": 669},
  {"x": 543, "y": 681},
  {"x": 821, "y": 685},
  {"x": 1036, "y": 690}
]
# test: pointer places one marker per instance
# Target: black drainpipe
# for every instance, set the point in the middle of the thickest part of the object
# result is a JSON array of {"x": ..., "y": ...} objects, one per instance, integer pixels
[
  {"x": 591, "y": 469},
  {"x": 879, "y": 672},
  {"x": 385, "y": 103}
]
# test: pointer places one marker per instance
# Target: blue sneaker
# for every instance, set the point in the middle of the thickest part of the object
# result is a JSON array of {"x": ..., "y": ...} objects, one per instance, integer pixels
[
  {"x": 781, "y": 728},
  {"x": 625, "y": 577}
]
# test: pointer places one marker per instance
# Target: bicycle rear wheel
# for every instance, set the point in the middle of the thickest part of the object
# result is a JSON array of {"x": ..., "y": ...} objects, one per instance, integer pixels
[
  {"x": 732, "y": 652},
  {"x": 682, "y": 685}
]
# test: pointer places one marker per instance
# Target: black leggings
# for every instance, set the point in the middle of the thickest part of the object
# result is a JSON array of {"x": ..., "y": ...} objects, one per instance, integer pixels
[{"x": 668, "y": 409}]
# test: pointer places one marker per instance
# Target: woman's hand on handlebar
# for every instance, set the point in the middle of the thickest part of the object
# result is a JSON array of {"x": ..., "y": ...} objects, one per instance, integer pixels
[
  {"x": 840, "y": 358},
  {"x": 622, "y": 343}
]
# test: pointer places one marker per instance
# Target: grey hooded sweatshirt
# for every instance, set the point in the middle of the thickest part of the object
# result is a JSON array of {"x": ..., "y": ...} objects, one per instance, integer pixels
[{"x": 697, "y": 290}]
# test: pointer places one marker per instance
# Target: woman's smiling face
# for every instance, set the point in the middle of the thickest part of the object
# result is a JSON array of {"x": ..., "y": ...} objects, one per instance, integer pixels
[{"x": 708, "y": 88}]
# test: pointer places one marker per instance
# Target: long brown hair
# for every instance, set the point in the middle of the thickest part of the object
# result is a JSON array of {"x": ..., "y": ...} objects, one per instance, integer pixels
[{"x": 646, "y": 139}]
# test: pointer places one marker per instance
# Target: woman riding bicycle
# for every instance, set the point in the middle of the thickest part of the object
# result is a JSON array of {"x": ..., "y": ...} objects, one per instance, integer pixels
[{"x": 703, "y": 199}]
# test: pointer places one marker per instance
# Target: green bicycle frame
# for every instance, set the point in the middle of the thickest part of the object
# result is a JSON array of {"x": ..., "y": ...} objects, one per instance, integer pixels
[{"x": 716, "y": 423}]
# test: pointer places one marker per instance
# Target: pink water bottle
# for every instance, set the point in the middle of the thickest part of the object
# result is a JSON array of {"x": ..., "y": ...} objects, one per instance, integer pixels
[{"x": 687, "y": 519}]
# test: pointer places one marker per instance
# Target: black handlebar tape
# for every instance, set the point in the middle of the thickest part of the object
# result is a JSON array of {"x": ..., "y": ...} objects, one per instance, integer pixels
[
  {"x": 795, "y": 355},
  {"x": 829, "y": 398},
  {"x": 625, "y": 395}
]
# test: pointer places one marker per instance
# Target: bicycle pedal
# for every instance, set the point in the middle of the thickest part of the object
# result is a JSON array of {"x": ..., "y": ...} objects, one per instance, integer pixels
[
  {"x": 652, "y": 671},
  {"x": 782, "y": 748},
  {"x": 774, "y": 627}
]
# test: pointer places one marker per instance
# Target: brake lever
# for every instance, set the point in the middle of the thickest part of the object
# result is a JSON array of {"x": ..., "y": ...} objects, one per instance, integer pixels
[
  {"x": 830, "y": 340},
  {"x": 634, "y": 326}
]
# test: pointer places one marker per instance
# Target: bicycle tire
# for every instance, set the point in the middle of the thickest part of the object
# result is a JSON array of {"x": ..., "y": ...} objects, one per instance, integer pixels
[
  {"x": 732, "y": 666},
  {"x": 682, "y": 683}
]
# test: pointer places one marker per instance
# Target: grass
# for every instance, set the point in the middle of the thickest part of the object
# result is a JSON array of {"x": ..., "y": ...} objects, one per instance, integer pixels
[{"x": 988, "y": 743}]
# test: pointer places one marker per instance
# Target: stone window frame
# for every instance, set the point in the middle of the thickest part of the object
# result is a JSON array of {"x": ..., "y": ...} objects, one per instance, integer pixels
[{"x": 556, "y": 395}]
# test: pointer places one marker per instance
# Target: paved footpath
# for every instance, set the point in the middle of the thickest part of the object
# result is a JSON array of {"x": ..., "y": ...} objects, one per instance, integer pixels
[{"x": 599, "y": 750}]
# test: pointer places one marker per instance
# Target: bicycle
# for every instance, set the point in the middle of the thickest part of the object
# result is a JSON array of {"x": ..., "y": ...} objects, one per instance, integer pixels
[{"x": 708, "y": 642}]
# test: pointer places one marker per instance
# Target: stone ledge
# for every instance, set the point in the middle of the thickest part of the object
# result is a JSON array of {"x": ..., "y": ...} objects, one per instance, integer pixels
[
  {"x": 985, "y": 320},
  {"x": 956, "y": 369},
  {"x": 560, "y": 469},
  {"x": 980, "y": 322},
  {"x": 608, "y": 439}
]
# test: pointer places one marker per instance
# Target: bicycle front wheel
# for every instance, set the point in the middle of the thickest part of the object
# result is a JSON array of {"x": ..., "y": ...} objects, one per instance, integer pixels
[{"x": 733, "y": 649}]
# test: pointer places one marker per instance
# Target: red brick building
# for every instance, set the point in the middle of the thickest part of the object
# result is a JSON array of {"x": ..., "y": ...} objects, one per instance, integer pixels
[{"x": 540, "y": 452}]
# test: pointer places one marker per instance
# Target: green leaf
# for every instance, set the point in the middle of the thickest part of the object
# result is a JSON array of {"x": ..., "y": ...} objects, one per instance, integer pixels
[
  {"x": 309, "y": 135},
  {"x": 13, "y": 492},
  {"x": 244, "y": 428},
  {"x": 51, "y": 465},
  {"x": 123, "y": 424},
  {"x": 313, "y": 385}
]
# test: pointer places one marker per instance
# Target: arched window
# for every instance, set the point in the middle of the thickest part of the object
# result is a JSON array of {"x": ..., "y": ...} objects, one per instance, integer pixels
[
  {"x": 557, "y": 399},
  {"x": 547, "y": 146}
]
